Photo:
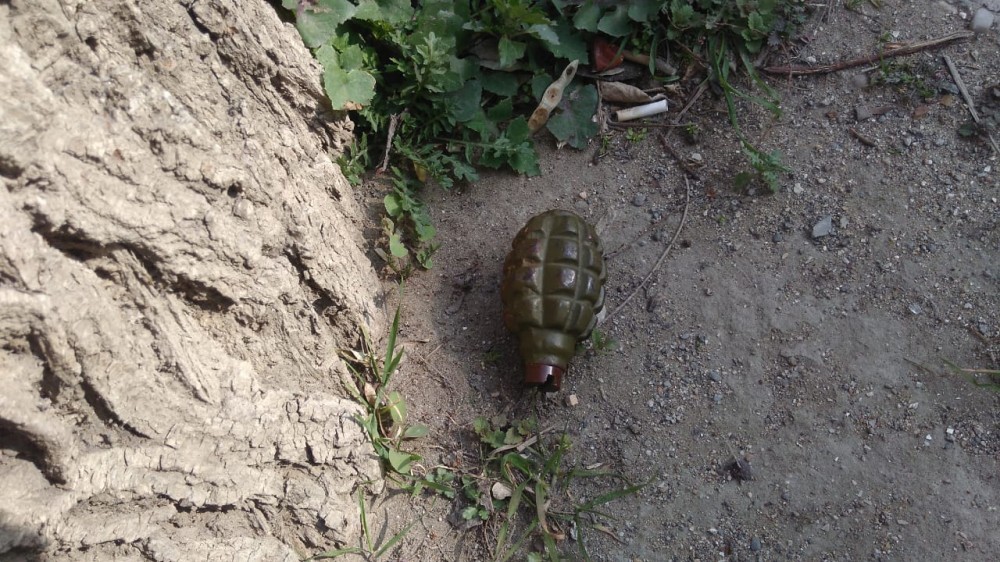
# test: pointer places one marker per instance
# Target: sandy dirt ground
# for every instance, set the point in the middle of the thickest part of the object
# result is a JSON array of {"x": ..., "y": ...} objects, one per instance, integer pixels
[{"x": 804, "y": 332}]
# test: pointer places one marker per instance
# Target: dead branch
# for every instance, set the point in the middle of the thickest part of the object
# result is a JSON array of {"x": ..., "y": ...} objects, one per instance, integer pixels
[{"x": 897, "y": 52}]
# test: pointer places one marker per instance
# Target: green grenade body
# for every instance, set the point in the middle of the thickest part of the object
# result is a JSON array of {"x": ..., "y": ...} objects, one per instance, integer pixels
[{"x": 552, "y": 292}]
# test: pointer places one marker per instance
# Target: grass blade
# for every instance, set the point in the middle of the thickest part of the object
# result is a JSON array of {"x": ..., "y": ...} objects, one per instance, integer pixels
[
  {"x": 337, "y": 553},
  {"x": 364, "y": 519},
  {"x": 395, "y": 539},
  {"x": 515, "y": 502}
]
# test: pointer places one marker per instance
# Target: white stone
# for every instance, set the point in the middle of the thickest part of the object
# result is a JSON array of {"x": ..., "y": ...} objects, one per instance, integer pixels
[{"x": 982, "y": 21}]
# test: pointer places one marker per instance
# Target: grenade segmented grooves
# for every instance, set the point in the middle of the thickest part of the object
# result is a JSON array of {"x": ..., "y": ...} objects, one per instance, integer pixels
[{"x": 552, "y": 292}]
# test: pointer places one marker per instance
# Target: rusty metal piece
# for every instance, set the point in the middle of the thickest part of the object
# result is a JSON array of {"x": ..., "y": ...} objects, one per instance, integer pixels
[{"x": 552, "y": 292}]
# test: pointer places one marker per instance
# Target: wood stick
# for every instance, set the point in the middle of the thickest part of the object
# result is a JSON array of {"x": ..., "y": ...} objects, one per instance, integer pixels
[
  {"x": 968, "y": 99},
  {"x": 897, "y": 52},
  {"x": 656, "y": 266},
  {"x": 867, "y": 141}
]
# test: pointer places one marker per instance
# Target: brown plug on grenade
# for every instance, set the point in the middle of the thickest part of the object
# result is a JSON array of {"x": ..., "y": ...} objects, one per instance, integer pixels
[{"x": 552, "y": 292}]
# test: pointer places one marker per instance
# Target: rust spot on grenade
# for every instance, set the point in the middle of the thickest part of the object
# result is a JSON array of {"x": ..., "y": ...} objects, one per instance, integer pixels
[{"x": 552, "y": 292}]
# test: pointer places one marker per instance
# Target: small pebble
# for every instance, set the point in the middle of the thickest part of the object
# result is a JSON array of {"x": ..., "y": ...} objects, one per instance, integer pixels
[
  {"x": 823, "y": 228},
  {"x": 776, "y": 238},
  {"x": 715, "y": 376},
  {"x": 915, "y": 308},
  {"x": 797, "y": 189},
  {"x": 639, "y": 200},
  {"x": 755, "y": 544},
  {"x": 572, "y": 401},
  {"x": 982, "y": 21}
]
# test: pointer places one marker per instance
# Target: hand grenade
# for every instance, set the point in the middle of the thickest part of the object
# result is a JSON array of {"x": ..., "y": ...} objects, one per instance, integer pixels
[{"x": 552, "y": 292}]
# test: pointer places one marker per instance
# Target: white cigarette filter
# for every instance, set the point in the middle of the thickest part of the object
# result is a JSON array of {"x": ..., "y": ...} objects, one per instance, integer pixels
[{"x": 640, "y": 111}]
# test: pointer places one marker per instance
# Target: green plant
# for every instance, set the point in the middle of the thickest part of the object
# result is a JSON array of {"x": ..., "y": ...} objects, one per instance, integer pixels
[
  {"x": 906, "y": 79},
  {"x": 385, "y": 420},
  {"x": 766, "y": 167},
  {"x": 992, "y": 376},
  {"x": 369, "y": 550},
  {"x": 403, "y": 207},
  {"x": 528, "y": 467},
  {"x": 601, "y": 342},
  {"x": 492, "y": 357},
  {"x": 444, "y": 86},
  {"x": 636, "y": 135}
]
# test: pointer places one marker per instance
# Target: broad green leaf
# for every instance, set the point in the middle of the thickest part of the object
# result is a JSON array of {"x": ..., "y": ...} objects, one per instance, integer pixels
[
  {"x": 616, "y": 23},
  {"x": 327, "y": 56},
  {"x": 587, "y": 16},
  {"x": 510, "y": 51},
  {"x": 351, "y": 58},
  {"x": 545, "y": 33},
  {"x": 400, "y": 461},
  {"x": 466, "y": 102},
  {"x": 394, "y": 12},
  {"x": 571, "y": 45},
  {"x": 643, "y": 10},
  {"x": 469, "y": 513},
  {"x": 525, "y": 160},
  {"x": 511, "y": 437},
  {"x": 575, "y": 124},
  {"x": 480, "y": 426},
  {"x": 518, "y": 131},
  {"x": 318, "y": 21},
  {"x": 396, "y": 247},
  {"x": 348, "y": 87},
  {"x": 392, "y": 205},
  {"x": 501, "y": 111},
  {"x": 425, "y": 231},
  {"x": 416, "y": 431},
  {"x": 396, "y": 406},
  {"x": 539, "y": 83},
  {"x": 500, "y": 83},
  {"x": 481, "y": 124}
]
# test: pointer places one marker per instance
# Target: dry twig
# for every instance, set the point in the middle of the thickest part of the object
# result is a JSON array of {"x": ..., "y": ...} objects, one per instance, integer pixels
[
  {"x": 656, "y": 266},
  {"x": 865, "y": 140},
  {"x": 889, "y": 53},
  {"x": 968, "y": 99}
]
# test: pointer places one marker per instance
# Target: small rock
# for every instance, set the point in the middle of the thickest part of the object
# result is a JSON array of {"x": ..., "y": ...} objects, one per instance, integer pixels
[
  {"x": 915, "y": 309},
  {"x": 843, "y": 222},
  {"x": 776, "y": 238},
  {"x": 863, "y": 113},
  {"x": 639, "y": 200},
  {"x": 811, "y": 59},
  {"x": 582, "y": 195},
  {"x": 860, "y": 80},
  {"x": 572, "y": 401},
  {"x": 755, "y": 544},
  {"x": 634, "y": 428},
  {"x": 717, "y": 398},
  {"x": 982, "y": 21},
  {"x": 696, "y": 157},
  {"x": 823, "y": 228},
  {"x": 715, "y": 376},
  {"x": 797, "y": 189},
  {"x": 500, "y": 491}
]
